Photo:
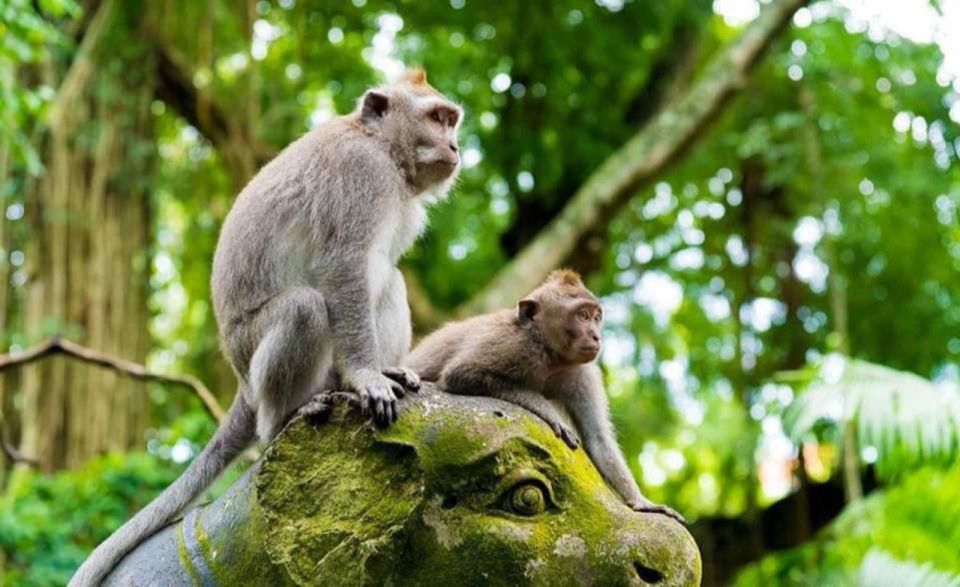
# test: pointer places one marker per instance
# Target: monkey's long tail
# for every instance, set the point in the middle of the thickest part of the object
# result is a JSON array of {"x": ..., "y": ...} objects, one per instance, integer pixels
[{"x": 234, "y": 434}]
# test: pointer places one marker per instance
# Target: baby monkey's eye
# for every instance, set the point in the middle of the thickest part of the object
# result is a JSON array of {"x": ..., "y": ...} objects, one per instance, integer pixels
[
  {"x": 435, "y": 115},
  {"x": 527, "y": 498},
  {"x": 583, "y": 315},
  {"x": 598, "y": 318}
]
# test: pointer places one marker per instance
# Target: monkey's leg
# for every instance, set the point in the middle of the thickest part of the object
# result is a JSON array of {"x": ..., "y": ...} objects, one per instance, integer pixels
[{"x": 293, "y": 355}]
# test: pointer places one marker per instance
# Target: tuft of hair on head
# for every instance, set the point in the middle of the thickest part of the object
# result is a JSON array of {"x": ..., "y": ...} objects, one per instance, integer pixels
[
  {"x": 414, "y": 77},
  {"x": 565, "y": 277}
]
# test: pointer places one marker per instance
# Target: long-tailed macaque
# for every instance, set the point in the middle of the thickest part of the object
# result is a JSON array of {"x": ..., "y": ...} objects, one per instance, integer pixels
[{"x": 542, "y": 351}]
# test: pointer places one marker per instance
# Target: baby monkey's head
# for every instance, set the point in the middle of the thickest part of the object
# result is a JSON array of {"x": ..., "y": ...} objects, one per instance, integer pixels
[
  {"x": 566, "y": 315},
  {"x": 420, "y": 126}
]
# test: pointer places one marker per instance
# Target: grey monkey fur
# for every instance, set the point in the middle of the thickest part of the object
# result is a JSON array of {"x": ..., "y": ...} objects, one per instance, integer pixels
[{"x": 305, "y": 285}]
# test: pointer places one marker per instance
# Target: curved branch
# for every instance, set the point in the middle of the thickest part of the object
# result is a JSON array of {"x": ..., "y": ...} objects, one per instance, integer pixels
[
  {"x": 59, "y": 346},
  {"x": 644, "y": 157},
  {"x": 9, "y": 450}
]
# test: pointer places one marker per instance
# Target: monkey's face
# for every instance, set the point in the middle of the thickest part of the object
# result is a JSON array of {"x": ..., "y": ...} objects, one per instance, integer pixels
[
  {"x": 583, "y": 320},
  {"x": 570, "y": 325},
  {"x": 436, "y": 122},
  {"x": 420, "y": 125}
]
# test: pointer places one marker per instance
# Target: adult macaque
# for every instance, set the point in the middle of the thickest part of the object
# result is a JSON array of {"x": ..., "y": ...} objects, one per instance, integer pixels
[
  {"x": 543, "y": 350},
  {"x": 305, "y": 285}
]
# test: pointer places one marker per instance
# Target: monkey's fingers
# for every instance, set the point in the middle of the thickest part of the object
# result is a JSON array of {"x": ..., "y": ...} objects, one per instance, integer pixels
[
  {"x": 317, "y": 409},
  {"x": 348, "y": 396},
  {"x": 405, "y": 377},
  {"x": 397, "y": 389},
  {"x": 365, "y": 401},
  {"x": 565, "y": 434}
]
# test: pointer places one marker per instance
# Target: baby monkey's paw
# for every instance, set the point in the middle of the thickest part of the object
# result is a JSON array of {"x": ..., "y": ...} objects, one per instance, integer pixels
[
  {"x": 654, "y": 508},
  {"x": 317, "y": 409},
  {"x": 564, "y": 433},
  {"x": 405, "y": 377}
]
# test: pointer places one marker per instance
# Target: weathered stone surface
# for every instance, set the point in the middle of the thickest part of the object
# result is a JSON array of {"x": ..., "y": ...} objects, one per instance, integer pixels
[{"x": 460, "y": 491}]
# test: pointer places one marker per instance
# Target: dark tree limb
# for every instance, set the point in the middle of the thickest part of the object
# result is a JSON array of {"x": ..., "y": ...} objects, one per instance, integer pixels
[
  {"x": 60, "y": 346},
  {"x": 9, "y": 450},
  {"x": 176, "y": 89},
  {"x": 644, "y": 157}
]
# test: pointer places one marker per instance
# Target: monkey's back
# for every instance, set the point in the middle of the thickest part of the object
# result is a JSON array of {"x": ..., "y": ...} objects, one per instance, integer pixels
[
  {"x": 481, "y": 338},
  {"x": 291, "y": 217}
]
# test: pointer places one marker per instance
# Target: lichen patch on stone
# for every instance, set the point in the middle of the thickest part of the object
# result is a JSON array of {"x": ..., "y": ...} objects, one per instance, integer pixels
[{"x": 570, "y": 545}]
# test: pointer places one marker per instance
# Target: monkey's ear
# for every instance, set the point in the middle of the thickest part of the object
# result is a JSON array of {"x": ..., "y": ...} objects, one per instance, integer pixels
[
  {"x": 375, "y": 105},
  {"x": 527, "y": 309}
]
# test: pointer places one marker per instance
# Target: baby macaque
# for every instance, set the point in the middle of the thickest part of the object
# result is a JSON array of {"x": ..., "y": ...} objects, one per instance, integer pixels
[{"x": 542, "y": 352}]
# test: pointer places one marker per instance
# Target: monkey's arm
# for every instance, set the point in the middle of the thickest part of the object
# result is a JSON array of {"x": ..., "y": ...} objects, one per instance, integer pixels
[
  {"x": 354, "y": 339},
  {"x": 463, "y": 378},
  {"x": 541, "y": 406},
  {"x": 583, "y": 395}
]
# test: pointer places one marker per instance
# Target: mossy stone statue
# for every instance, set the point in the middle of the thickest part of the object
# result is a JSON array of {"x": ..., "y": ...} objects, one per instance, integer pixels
[{"x": 460, "y": 491}]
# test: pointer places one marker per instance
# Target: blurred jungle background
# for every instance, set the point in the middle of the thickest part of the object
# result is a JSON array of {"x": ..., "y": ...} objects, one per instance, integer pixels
[{"x": 766, "y": 195}]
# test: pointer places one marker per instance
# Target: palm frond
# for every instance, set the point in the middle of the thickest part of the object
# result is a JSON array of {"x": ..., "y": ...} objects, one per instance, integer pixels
[
  {"x": 880, "y": 569},
  {"x": 908, "y": 419}
]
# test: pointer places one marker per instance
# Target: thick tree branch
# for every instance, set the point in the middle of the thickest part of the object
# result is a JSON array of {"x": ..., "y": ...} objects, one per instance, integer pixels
[
  {"x": 59, "y": 346},
  {"x": 640, "y": 160},
  {"x": 176, "y": 88}
]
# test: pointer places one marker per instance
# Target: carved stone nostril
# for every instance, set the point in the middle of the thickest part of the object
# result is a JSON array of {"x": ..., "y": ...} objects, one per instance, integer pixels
[{"x": 648, "y": 575}]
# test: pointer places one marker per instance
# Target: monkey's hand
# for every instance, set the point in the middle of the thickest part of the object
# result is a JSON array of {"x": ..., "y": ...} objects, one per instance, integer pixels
[
  {"x": 405, "y": 377},
  {"x": 647, "y": 506},
  {"x": 378, "y": 394},
  {"x": 317, "y": 409},
  {"x": 565, "y": 433}
]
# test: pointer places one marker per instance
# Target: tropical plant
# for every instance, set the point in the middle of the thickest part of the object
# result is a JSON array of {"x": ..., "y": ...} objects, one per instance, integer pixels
[{"x": 904, "y": 419}]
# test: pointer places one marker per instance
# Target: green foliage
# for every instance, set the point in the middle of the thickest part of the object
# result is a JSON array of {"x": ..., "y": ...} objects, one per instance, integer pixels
[
  {"x": 908, "y": 420},
  {"x": 25, "y": 39},
  {"x": 49, "y": 523},
  {"x": 829, "y": 187},
  {"x": 910, "y": 530},
  {"x": 878, "y": 568}
]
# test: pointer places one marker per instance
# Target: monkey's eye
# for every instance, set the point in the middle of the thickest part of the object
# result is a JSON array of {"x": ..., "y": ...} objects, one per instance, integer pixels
[
  {"x": 583, "y": 315},
  {"x": 527, "y": 498},
  {"x": 435, "y": 115},
  {"x": 598, "y": 318}
]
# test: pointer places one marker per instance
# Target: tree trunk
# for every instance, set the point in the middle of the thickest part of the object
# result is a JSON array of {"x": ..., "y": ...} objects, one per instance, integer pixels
[{"x": 90, "y": 215}]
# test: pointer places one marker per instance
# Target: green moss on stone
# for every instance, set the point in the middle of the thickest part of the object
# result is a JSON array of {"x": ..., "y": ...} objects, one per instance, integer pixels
[
  {"x": 423, "y": 502},
  {"x": 185, "y": 556}
]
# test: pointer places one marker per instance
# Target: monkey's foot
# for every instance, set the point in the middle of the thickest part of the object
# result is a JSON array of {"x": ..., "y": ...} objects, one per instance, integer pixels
[
  {"x": 564, "y": 433},
  {"x": 653, "y": 508},
  {"x": 317, "y": 409},
  {"x": 405, "y": 377}
]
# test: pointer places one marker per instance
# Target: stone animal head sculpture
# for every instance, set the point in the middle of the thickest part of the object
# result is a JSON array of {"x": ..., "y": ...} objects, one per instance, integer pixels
[{"x": 459, "y": 491}]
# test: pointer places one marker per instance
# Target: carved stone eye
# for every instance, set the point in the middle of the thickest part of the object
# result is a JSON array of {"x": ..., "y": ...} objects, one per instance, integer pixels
[{"x": 527, "y": 499}]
